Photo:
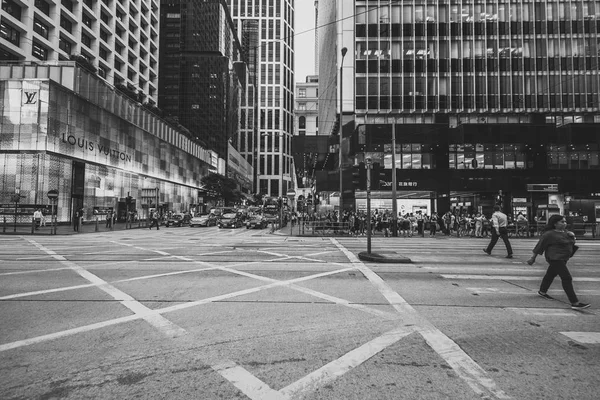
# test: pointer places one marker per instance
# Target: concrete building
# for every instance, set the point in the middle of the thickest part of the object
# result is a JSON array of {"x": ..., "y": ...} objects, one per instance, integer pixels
[
  {"x": 116, "y": 38},
  {"x": 479, "y": 98},
  {"x": 268, "y": 145}
]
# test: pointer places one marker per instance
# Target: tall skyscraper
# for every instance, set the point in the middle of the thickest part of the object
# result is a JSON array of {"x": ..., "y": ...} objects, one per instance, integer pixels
[
  {"x": 478, "y": 96},
  {"x": 266, "y": 141},
  {"x": 203, "y": 72},
  {"x": 118, "y": 39}
]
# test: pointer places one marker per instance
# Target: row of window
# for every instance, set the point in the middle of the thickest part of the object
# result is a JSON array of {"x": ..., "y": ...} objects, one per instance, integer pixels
[
  {"x": 488, "y": 156},
  {"x": 481, "y": 85},
  {"x": 417, "y": 100},
  {"x": 498, "y": 11},
  {"x": 477, "y": 29},
  {"x": 477, "y": 65}
]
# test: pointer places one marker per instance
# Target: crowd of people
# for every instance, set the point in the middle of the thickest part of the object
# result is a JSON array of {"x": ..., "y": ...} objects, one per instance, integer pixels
[{"x": 422, "y": 224}]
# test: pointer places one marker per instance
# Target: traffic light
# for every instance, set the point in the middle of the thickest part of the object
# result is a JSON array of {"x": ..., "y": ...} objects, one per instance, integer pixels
[
  {"x": 359, "y": 176},
  {"x": 376, "y": 171}
]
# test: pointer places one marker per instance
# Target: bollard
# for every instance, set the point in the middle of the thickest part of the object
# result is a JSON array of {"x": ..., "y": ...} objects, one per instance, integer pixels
[
  {"x": 4, "y": 226},
  {"x": 96, "y": 223},
  {"x": 32, "y": 226}
]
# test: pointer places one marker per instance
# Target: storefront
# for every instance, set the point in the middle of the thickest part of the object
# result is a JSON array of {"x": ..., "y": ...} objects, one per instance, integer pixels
[{"x": 100, "y": 150}]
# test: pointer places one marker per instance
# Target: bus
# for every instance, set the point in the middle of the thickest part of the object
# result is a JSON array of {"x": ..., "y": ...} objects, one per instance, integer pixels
[{"x": 271, "y": 209}]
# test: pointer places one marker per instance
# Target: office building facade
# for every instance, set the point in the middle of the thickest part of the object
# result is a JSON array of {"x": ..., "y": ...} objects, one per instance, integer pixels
[
  {"x": 482, "y": 97},
  {"x": 266, "y": 133},
  {"x": 118, "y": 39},
  {"x": 202, "y": 71}
]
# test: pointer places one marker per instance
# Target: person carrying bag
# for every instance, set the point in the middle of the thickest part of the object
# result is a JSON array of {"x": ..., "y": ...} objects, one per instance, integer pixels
[{"x": 558, "y": 245}]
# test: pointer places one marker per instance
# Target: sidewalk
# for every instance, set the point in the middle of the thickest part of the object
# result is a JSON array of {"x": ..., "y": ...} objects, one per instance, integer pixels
[{"x": 67, "y": 229}]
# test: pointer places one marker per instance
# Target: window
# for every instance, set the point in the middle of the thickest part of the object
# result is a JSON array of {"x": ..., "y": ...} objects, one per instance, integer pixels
[
  {"x": 85, "y": 39},
  {"x": 87, "y": 21},
  {"x": 9, "y": 33},
  {"x": 39, "y": 51},
  {"x": 302, "y": 92},
  {"x": 40, "y": 28},
  {"x": 12, "y": 8},
  {"x": 487, "y": 156},
  {"x": 64, "y": 45},
  {"x": 66, "y": 24},
  {"x": 573, "y": 157},
  {"x": 68, "y": 4},
  {"x": 43, "y": 6}
]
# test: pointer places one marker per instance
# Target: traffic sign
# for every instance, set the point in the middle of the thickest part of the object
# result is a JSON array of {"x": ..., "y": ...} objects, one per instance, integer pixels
[{"x": 53, "y": 194}]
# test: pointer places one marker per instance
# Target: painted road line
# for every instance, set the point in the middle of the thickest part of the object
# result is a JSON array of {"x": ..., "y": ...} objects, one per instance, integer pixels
[
  {"x": 463, "y": 365},
  {"x": 584, "y": 337},
  {"x": 509, "y": 277},
  {"x": 348, "y": 361},
  {"x": 490, "y": 290},
  {"x": 545, "y": 312},
  {"x": 158, "y": 321},
  {"x": 32, "y": 271},
  {"x": 247, "y": 383}
]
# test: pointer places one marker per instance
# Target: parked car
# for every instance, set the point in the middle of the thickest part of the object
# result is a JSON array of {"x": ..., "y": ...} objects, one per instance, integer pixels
[
  {"x": 176, "y": 220},
  {"x": 204, "y": 220},
  {"x": 230, "y": 220},
  {"x": 256, "y": 222}
]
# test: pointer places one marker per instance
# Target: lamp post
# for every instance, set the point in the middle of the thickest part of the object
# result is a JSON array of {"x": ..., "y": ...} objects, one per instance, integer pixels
[{"x": 344, "y": 51}]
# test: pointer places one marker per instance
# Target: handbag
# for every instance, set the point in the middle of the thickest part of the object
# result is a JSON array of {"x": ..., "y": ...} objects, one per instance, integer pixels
[{"x": 575, "y": 248}]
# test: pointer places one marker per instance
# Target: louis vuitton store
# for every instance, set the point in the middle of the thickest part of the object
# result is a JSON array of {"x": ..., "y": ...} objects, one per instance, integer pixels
[{"x": 64, "y": 129}]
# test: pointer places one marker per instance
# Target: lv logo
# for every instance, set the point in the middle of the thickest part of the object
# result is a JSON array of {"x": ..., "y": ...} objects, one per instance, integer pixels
[{"x": 30, "y": 97}]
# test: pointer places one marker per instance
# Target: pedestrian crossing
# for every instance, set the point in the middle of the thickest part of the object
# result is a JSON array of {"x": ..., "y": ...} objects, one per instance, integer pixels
[{"x": 462, "y": 263}]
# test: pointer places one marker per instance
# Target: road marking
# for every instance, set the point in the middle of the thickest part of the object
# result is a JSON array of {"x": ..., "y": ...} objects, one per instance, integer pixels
[
  {"x": 350, "y": 360},
  {"x": 463, "y": 365},
  {"x": 162, "y": 324},
  {"x": 247, "y": 383},
  {"x": 31, "y": 271},
  {"x": 546, "y": 312},
  {"x": 584, "y": 337},
  {"x": 509, "y": 277},
  {"x": 489, "y": 290}
]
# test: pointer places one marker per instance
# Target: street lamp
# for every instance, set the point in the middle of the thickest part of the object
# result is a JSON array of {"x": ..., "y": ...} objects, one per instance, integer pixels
[{"x": 344, "y": 51}]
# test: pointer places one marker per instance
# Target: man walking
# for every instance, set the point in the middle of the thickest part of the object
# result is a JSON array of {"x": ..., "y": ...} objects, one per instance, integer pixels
[{"x": 499, "y": 230}]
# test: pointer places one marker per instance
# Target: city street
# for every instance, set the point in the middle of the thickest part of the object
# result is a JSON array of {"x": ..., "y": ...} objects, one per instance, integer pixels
[{"x": 208, "y": 313}]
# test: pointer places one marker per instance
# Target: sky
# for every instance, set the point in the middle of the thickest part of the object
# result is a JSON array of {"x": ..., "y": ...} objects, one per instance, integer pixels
[{"x": 305, "y": 39}]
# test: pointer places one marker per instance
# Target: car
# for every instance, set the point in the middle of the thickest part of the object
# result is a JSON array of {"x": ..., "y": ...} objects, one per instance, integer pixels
[
  {"x": 176, "y": 220},
  {"x": 204, "y": 220},
  {"x": 230, "y": 220},
  {"x": 256, "y": 222}
]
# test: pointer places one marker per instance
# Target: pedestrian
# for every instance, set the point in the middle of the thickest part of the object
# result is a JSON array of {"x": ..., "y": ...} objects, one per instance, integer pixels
[
  {"x": 75, "y": 221},
  {"x": 499, "y": 230},
  {"x": 109, "y": 219},
  {"x": 558, "y": 245},
  {"x": 154, "y": 220},
  {"x": 37, "y": 218},
  {"x": 478, "y": 225}
]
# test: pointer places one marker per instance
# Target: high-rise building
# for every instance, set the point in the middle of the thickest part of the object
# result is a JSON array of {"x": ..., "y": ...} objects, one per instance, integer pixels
[
  {"x": 268, "y": 145},
  {"x": 117, "y": 39},
  {"x": 478, "y": 96},
  {"x": 202, "y": 71}
]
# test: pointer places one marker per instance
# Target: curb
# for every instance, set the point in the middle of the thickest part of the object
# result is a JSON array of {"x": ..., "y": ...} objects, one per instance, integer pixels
[{"x": 384, "y": 257}]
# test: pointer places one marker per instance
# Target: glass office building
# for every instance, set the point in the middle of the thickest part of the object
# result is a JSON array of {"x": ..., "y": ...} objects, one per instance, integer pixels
[
  {"x": 481, "y": 96},
  {"x": 64, "y": 129}
]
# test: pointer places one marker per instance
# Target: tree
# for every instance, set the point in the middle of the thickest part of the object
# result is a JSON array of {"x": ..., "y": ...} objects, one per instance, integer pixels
[{"x": 225, "y": 188}]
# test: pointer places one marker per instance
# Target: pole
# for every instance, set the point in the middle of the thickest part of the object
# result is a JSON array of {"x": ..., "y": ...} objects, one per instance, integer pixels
[
  {"x": 394, "y": 184},
  {"x": 340, "y": 133},
  {"x": 369, "y": 163}
]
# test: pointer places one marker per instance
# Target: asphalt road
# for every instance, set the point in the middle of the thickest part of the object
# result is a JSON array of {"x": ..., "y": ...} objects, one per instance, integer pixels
[{"x": 208, "y": 313}]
